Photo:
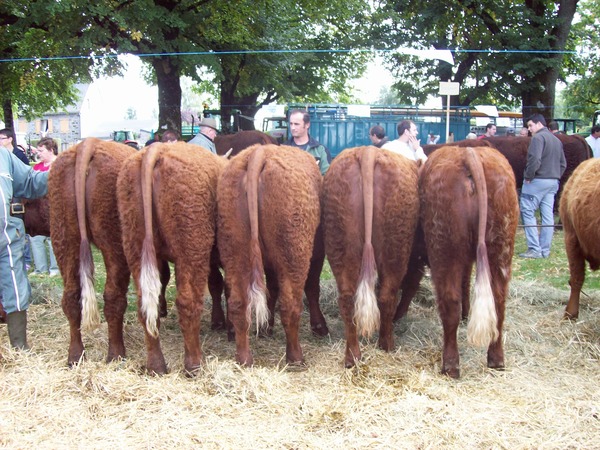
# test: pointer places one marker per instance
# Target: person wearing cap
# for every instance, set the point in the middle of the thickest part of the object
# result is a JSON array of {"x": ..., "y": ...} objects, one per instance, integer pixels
[{"x": 205, "y": 138}]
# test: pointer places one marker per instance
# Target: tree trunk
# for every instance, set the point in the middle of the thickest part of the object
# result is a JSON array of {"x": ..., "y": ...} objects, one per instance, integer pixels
[
  {"x": 169, "y": 93},
  {"x": 541, "y": 100},
  {"x": 7, "y": 112}
]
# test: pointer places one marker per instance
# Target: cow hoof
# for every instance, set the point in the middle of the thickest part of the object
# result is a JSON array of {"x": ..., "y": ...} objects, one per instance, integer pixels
[
  {"x": 453, "y": 372},
  {"x": 496, "y": 365},
  {"x": 157, "y": 371},
  {"x": 298, "y": 366},
  {"x": 192, "y": 372},
  {"x": 571, "y": 317},
  {"x": 245, "y": 361},
  {"x": 320, "y": 330},
  {"x": 75, "y": 360}
]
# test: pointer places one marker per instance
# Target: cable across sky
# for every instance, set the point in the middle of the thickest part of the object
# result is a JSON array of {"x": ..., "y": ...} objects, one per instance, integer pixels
[{"x": 405, "y": 50}]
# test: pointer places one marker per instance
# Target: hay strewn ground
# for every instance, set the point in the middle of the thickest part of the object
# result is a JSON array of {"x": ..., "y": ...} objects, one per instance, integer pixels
[{"x": 549, "y": 396}]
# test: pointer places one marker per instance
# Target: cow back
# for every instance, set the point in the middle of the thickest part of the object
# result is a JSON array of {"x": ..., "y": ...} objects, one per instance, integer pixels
[{"x": 241, "y": 140}]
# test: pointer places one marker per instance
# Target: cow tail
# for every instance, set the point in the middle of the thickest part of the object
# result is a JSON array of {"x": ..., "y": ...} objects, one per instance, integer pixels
[
  {"x": 482, "y": 328},
  {"x": 257, "y": 298},
  {"x": 150, "y": 284},
  {"x": 90, "y": 315},
  {"x": 366, "y": 311}
]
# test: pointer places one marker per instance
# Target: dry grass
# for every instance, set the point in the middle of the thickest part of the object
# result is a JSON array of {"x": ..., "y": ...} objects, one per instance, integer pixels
[{"x": 548, "y": 397}]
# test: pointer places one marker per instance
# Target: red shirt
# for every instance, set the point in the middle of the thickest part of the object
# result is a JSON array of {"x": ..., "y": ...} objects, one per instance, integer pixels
[{"x": 40, "y": 167}]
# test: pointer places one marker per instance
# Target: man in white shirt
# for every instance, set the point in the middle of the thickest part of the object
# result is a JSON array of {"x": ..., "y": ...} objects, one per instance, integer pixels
[
  {"x": 594, "y": 141},
  {"x": 407, "y": 143}
]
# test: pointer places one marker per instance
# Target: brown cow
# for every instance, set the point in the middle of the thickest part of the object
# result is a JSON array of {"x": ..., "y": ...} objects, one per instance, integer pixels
[
  {"x": 268, "y": 201},
  {"x": 167, "y": 205},
  {"x": 514, "y": 150},
  {"x": 241, "y": 140},
  {"x": 579, "y": 208},
  {"x": 37, "y": 216},
  {"x": 370, "y": 213},
  {"x": 469, "y": 212},
  {"x": 82, "y": 194}
]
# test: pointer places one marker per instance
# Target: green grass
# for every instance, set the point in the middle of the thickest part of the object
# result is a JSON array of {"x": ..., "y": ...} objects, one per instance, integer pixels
[{"x": 552, "y": 271}]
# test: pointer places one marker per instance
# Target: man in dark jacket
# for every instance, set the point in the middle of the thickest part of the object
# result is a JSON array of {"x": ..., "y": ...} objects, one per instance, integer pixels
[
  {"x": 545, "y": 165},
  {"x": 299, "y": 123}
]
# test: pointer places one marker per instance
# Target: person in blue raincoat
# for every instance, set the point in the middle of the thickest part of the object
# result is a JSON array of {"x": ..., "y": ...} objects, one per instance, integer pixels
[{"x": 16, "y": 180}]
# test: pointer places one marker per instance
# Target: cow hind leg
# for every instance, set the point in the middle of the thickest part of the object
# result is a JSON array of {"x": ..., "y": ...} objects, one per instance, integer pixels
[
  {"x": 576, "y": 274},
  {"x": 290, "y": 308},
  {"x": 155, "y": 360},
  {"x": 215, "y": 287},
  {"x": 318, "y": 325},
  {"x": 466, "y": 294},
  {"x": 389, "y": 287},
  {"x": 237, "y": 311},
  {"x": 273, "y": 295},
  {"x": 449, "y": 298},
  {"x": 495, "y": 354},
  {"x": 115, "y": 305},
  {"x": 165, "y": 276},
  {"x": 190, "y": 301},
  {"x": 72, "y": 309},
  {"x": 410, "y": 286},
  {"x": 347, "y": 290}
]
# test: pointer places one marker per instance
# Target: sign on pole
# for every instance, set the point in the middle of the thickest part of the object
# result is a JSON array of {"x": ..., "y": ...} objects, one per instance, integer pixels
[{"x": 448, "y": 88}]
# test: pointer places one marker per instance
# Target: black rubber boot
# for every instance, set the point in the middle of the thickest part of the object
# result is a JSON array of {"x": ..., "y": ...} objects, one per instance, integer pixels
[{"x": 17, "y": 329}]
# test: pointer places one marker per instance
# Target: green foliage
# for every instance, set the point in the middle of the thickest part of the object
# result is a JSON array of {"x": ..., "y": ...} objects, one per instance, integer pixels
[
  {"x": 582, "y": 95},
  {"x": 461, "y": 25},
  {"x": 31, "y": 87}
]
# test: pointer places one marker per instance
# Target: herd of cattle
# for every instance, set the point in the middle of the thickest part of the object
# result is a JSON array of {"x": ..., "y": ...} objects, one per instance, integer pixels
[{"x": 268, "y": 219}]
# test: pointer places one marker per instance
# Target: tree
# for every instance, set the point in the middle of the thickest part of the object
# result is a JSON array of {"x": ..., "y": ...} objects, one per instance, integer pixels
[
  {"x": 176, "y": 38},
  {"x": 291, "y": 58},
  {"x": 582, "y": 95},
  {"x": 527, "y": 38},
  {"x": 30, "y": 86}
]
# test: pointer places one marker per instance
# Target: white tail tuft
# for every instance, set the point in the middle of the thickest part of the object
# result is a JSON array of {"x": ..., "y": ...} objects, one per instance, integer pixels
[
  {"x": 366, "y": 311},
  {"x": 257, "y": 300},
  {"x": 482, "y": 329},
  {"x": 90, "y": 319},
  {"x": 150, "y": 286}
]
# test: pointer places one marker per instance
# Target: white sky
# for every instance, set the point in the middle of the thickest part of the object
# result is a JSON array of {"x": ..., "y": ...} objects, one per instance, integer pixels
[{"x": 118, "y": 94}]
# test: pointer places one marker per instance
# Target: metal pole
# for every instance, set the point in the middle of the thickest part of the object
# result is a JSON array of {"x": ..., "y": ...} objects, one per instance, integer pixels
[{"x": 447, "y": 117}]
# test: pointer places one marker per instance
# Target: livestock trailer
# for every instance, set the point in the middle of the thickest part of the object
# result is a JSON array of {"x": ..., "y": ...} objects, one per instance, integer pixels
[{"x": 343, "y": 126}]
